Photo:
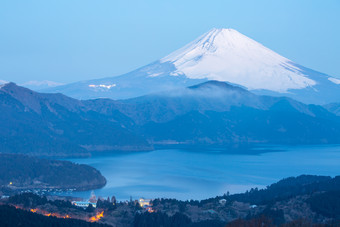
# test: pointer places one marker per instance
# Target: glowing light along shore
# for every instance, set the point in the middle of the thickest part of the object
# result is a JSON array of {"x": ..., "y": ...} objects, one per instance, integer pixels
[
  {"x": 97, "y": 217},
  {"x": 38, "y": 211}
]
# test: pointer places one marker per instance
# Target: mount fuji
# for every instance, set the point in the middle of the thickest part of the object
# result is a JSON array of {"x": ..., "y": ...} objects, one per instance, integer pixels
[{"x": 220, "y": 54}]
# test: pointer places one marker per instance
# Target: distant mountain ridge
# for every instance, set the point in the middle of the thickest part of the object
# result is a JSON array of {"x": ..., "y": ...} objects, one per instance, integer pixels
[
  {"x": 220, "y": 54},
  {"x": 212, "y": 115},
  {"x": 215, "y": 113},
  {"x": 56, "y": 125}
]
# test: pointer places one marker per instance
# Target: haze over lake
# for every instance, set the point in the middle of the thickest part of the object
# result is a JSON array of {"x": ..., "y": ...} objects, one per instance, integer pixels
[{"x": 186, "y": 175}]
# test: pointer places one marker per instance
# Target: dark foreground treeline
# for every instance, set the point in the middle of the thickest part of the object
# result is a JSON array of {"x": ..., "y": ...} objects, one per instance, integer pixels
[
  {"x": 161, "y": 219},
  {"x": 10, "y": 216},
  {"x": 320, "y": 195},
  {"x": 181, "y": 220}
]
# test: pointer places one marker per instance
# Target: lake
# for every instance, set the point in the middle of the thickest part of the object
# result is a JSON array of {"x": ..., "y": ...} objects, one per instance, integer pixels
[{"x": 183, "y": 174}]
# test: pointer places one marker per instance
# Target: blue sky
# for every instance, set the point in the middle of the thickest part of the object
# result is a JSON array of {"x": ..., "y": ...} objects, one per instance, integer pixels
[{"x": 72, "y": 40}]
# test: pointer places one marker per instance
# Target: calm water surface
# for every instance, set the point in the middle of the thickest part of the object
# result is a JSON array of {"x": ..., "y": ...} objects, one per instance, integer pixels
[{"x": 186, "y": 175}]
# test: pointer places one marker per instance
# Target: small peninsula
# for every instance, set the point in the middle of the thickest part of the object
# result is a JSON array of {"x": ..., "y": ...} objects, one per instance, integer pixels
[{"x": 18, "y": 172}]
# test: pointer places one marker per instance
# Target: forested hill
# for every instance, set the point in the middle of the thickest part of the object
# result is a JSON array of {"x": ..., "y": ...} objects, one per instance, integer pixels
[
  {"x": 20, "y": 171},
  {"x": 306, "y": 200}
]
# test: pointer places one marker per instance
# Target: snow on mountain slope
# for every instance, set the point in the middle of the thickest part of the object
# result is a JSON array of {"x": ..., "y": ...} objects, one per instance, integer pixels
[
  {"x": 227, "y": 55},
  {"x": 334, "y": 80},
  {"x": 220, "y": 54}
]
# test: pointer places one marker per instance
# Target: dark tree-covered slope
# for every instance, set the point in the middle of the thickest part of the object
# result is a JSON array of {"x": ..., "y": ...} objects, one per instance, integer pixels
[{"x": 20, "y": 171}]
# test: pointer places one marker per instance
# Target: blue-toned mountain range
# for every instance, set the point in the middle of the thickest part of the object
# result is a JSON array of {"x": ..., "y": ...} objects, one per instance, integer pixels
[{"x": 212, "y": 114}]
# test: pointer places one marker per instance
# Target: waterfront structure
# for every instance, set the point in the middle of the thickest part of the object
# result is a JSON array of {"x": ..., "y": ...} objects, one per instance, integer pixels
[{"x": 83, "y": 204}]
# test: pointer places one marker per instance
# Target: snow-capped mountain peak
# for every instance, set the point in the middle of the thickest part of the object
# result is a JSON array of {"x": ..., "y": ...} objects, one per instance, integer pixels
[
  {"x": 227, "y": 55},
  {"x": 223, "y": 55}
]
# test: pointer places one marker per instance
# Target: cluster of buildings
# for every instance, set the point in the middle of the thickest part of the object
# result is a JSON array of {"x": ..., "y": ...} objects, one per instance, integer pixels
[
  {"x": 144, "y": 203},
  {"x": 84, "y": 204}
]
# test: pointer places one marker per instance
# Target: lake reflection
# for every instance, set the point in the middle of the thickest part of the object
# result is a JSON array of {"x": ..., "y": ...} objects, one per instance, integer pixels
[{"x": 198, "y": 175}]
